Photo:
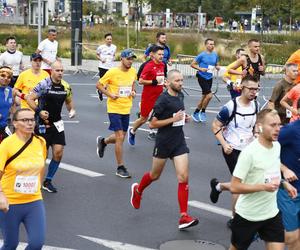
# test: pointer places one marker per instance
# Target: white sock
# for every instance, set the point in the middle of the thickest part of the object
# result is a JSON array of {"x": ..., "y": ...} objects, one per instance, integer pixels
[{"x": 218, "y": 187}]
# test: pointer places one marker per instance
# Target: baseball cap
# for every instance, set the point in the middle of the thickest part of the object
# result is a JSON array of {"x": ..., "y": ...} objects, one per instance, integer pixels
[
  {"x": 35, "y": 56},
  {"x": 128, "y": 53}
]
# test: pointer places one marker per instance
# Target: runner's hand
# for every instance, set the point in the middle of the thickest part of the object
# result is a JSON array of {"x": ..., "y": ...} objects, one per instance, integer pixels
[
  {"x": 271, "y": 187},
  {"x": 261, "y": 68},
  {"x": 72, "y": 113},
  {"x": 113, "y": 96},
  {"x": 289, "y": 175},
  {"x": 44, "y": 114},
  {"x": 291, "y": 190},
  {"x": 187, "y": 118},
  {"x": 133, "y": 93},
  {"x": 244, "y": 73},
  {"x": 218, "y": 67},
  {"x": 294, "y": 111},
  {"x": 3, "y": 203},
  {"x": 227, "y": 149},
  {"x": 178, "y": 116}
]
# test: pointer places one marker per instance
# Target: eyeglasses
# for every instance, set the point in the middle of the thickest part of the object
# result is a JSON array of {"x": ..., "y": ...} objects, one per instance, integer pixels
[
  {"x": 5, "y": 76},
  {"x": 252, "y": 89},
  {"x": 26, "y": 120}
]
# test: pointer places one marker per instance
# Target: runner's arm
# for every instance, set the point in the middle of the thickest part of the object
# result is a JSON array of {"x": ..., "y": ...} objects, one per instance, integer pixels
[
  {"x": 284, "y": 103},
  {"x": 146, "y": 82},
  {"x": 195, "y": 65},
  {"x": 155, "y": 123},
  {"x": 238, "y": 63},
  {"x": 3, "y": 201}
]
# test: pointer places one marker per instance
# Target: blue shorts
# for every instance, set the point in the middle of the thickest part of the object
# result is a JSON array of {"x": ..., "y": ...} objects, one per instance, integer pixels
[
  {"x": 118, "y": 122},
  {"x": 290, "y": 209}
]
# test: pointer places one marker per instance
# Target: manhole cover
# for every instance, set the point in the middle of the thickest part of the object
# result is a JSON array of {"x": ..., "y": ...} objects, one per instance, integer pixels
[{"x": 190, "y": 245}]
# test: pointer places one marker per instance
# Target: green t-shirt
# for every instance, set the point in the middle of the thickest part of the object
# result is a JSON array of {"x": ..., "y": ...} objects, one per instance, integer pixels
[{"x": 256, "y": 165}]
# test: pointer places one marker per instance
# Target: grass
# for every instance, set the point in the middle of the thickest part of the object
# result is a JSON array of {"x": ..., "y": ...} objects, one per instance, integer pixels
[{"x": 181, "y": 42}]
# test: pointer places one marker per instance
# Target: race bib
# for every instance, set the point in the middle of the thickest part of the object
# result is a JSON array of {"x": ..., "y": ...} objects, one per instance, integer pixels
[
  {"x": 125, "y": 91},
  {"x": 59, "y": 125},
  {"x": 289, "y": 114},
  {"x": 179, "y": 123},
  {"x": 210, "y": 69},
  {"x": 26, "y": 184},
  {"x": 160, "y": 80},
  {"x": 272, "y": 177}
]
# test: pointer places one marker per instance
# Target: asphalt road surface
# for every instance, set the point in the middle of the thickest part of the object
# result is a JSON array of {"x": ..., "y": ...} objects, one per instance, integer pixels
[{"x": 92, "y": 208}]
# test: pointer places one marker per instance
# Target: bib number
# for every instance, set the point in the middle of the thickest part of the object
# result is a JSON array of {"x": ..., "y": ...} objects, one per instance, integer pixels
[
  {"x": 179, "y": 123},
  {"x": 273, "y": 177},
  {"x": 26, "y": 184},
  {"x": 59, "y": 125},
  {"x": 125, "y": 91},
  {"x": 210, "y": 69},
  {"x": 160, "y": 80},
  {"x": 289, "y": 114}
]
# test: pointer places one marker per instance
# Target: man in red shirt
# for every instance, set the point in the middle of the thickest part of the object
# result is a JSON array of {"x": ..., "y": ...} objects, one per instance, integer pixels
[{"x": 152, "y": 77}]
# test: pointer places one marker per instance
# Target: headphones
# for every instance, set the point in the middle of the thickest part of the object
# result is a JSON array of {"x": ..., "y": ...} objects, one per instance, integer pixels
[{"x": 260, "y": 129}]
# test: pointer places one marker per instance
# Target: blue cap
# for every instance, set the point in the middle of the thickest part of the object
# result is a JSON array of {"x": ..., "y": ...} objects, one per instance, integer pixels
[
  {"x": 128, "y": 53},
  {"x": 35, "y": 56}
]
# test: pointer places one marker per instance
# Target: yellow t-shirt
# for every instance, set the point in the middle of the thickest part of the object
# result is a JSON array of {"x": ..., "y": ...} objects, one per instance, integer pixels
[
  {"x": 21, "y": 180},
  {"x": 27, "y": 81},
  {"x": 232, "y": 77},
  {"x": 295, "y": 58},
  {"x": 119, "y": 82}
]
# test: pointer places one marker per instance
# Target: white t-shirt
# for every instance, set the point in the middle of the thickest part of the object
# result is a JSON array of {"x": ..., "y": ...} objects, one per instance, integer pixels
[
  {"x": 48, "y": 51},
  {"x": 12, "y": 60},
  {"x": 239, "y": 132},
  {"x": 106, "y": 53}
]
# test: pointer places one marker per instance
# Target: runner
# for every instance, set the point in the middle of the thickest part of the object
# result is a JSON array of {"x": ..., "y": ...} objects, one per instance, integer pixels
[
  {"x": 12, "y": 58},
  {"x": 20, "y": 187},
  {"x": 169, "y": 117},
  {"x": 280, "y": 89},
  {"x": 295, "y": 58},
  {"x": 292, "y": 97},
  {"x": 29, "y": 78},
  {"x": 253, "y": 64},
  {"x": 161, "y": 41},
  {"x": 51, "y": 94},
  {"x": 118, "y": 85},
  {"x": 48, "y": 49},
  {"x": 233, "y": 78},
  {"x": 6, "y": 100},
  {"x": 205, "y": 62},
  {"x": 256, "y": 178},
  {"x": 106, "y": 55},
  {"x": 152, "y": 77},
  {"x": 233, "y": 128},
  {"x": 289, "y": 139}
]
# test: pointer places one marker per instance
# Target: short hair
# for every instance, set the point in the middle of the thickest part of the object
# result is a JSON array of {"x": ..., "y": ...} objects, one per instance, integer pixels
[
  {"x": 208, "y": 39},
  {"x": 263, "y": 113},
  {"x": 107, "y": 34},
  {"x": 172, "y": 72},
  {"x": 16, "y": 114},
  {"x": 52, "y": 30},
  {"x": 253, "y": 40},
  {"x": 239, "y": 50},
  {"x": 10, "y": 38},
  {"x": 249, "y": 78},
  {"x": 158, "y": 34},
  {"x": 156, "y": 48},
  {"x": 290, "y": 65}
]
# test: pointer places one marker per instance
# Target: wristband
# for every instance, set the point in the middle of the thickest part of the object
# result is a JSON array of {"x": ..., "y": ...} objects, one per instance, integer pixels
[
  {"x": 154, "y": 82},
  {"x": 22, "y": 96}
]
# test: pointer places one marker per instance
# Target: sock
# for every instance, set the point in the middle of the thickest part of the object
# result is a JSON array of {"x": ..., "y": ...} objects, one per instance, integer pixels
[
  {"x": 52, "y": 168},
  {"x": 218, "y": 187},
  {"x": 183, "y": 196},
  {"x": 203, "y": 110},
  {"x": 196, "y": 110},
  {"x": 145, "y": 182}
]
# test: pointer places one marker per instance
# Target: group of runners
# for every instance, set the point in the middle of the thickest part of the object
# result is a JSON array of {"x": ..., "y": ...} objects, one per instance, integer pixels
[{"x": 262, "y": 156}]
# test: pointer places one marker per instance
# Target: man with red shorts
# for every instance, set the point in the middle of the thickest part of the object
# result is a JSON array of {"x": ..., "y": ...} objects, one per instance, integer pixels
[{"x": 152, "y": 77}]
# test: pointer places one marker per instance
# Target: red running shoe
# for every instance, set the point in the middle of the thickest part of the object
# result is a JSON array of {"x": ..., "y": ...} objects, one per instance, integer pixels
[
  {"x": 136, "y": 197},
  {"x": 187, "y": 221}
]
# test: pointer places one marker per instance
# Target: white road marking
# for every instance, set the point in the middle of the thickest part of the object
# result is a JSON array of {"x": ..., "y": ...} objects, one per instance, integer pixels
[
  {"x": 23, "y": 245},
  {"x": 116, "y": 245},
  {"x": 71, "y": 121},
  {"x": 208, "y": 111},
  {"x": 210, "y": 208},
  {"x": 77, "y": 170}
]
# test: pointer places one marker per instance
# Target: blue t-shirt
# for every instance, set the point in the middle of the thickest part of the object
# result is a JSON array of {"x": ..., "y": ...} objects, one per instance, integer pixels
[
  {"x": 6, "y": 101},
  {"x": 289, "y": 138},
  {"x": 205, "y": 59},
  {"x": 167, "y": 53}
]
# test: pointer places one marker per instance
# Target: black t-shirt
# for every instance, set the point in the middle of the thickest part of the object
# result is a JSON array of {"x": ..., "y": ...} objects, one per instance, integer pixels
[{"x": 165, "y": 107}]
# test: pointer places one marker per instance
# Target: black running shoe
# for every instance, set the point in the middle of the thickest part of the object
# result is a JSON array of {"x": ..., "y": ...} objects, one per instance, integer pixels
[
  {"x": 122, "y": 172},
  {"x": 100, "y": 146},
  {"x": 214, "y": 193},
  {"x": 47, "y": 185}
]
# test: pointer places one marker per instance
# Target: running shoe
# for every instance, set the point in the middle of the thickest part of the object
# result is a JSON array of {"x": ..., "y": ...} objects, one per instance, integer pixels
[
  {"x": 195, "y": 117},
  {"x": 152, "y": 136},
  {"x": 130, "y": 137},
  {"x": 202, "y": 117},
  {"x": 47, "y": 185},
  {"x": 214, "y": 193},
  {"x": 122, "y": 172},
  {"x": 100, "y": 146},
  {"x": 100, "y": 95},
  {"x": 136, "y": 197},
  {"x": 187, "y": 221}
]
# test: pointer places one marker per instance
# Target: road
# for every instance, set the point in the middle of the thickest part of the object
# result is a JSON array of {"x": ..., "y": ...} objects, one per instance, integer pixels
[{"x": 92, "y": 210}]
